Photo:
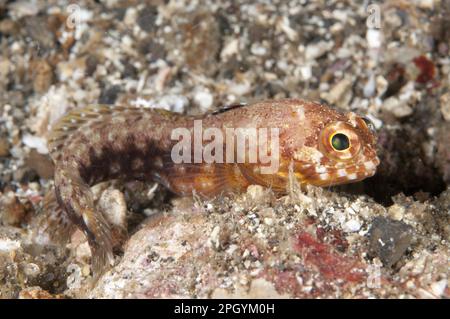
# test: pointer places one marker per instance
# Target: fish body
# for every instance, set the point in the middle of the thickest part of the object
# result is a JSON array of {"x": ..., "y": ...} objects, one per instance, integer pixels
[{"x": 97, "y": 143}]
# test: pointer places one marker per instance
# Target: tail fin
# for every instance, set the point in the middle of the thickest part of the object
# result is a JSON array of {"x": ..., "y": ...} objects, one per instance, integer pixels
[{"x": 100, "y": 242}]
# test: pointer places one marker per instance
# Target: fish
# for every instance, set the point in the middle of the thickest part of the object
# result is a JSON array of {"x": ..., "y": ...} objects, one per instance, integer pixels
[{"x": 318, "y": 144}]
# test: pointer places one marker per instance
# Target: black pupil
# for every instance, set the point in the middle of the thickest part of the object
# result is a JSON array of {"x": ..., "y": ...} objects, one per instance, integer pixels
[{"x": 340, "y": 142}]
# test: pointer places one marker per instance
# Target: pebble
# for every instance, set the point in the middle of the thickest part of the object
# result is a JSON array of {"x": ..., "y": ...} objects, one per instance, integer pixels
[
  {"x": 353, "y": 225},
  {"x": 41, "y": 164},
  {"x": 445, "y": 106},
  {"x": 112, "y": 204},
  {"x": 35, "y": 142},
  {"x": 374, "y": 38},
  {"x": 7, "y": 245},
  {"x": 37, "y": 29},
  {"x": 214, "y": 238},
  {"x": 4, "y": 147},
  {"x": 42, "y": 75},
  {"x": 389, "y": 239},
  {"x": 258, "y": 50},
  {"x": 146, "y": 18},
  {"x": 23, "y": 8},
  {"x": 370, "y": 87},
  {"x": 396, "y": 212},
  {"x": 12, "y": 210},
  {"x": 204, "y": 100},
  {"x": 230, "y": 49},
  {"x": 314, "y": 51},
  {"x": 340, "y": 94},
  {"x": 438, "y": 287},
  {"x": 397, "y": 107}
]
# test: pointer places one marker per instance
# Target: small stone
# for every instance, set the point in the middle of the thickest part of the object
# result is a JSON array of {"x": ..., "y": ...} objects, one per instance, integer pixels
[
  {"x": 31, "y": 270},
  {"x": 389, "y": 239},
  {"x": 214, "y": 238},
  {"x": 425, "y": 4},
  {"x": 8, "y": 245},
  {"x": 351, "y": 226},
  {"x": 12, "y": 210},
  {"x": 316, "y": 50},
  {"x": 230, "y": 49},
  {"x": 41, "y": 164},
  {"x": 4, "y": 147},
  {"x": 113, "y": 205},
  {"x": 109, "y": 94},
  {"x": 22, "y": 8},
  {"x": 35, "y": 142},
  {"x": 38, "y": 29},
  {"x": 258, "y": 50},
  {"x": 438, "y": 287},
  {"x": 397, "y": 107},
  {"x": 204, "y": 99},
  {"x": 42, "y": 74},
  {"x": 146, "y": 18},
  {"x": 306, "y": 72},
  {"x": 374, "y": 38},
  {"x": 341, "y": 93},
  {"x": 256, "y": 192},
  {"x": 396, "y": 212},
  {"x": 445, "y": 106},
  {"x": 370, "y": 87}
]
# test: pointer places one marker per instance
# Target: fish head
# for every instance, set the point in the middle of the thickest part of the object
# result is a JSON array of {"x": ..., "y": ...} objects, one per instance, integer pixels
[{"x": 339, "y": 149}]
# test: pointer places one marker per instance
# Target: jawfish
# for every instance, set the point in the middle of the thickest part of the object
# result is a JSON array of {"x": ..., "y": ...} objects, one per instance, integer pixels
[{"x": 318, "y": 144}]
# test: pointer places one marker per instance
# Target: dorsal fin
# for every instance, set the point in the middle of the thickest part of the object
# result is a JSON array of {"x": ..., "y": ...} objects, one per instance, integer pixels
[
  {"x": 73, "y": 120},
  {"x": 228, "y": 108}
]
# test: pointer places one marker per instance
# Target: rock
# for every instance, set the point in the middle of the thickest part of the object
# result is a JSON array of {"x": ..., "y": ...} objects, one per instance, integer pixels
[
  {"x": 316, "y": 50},
  {"x": 4, "y": 147},
  {"x": 25, "y": 175},
  {"x": 204, "y": 99},
  {"x": 445, "y": 106},
  {"x": 24, "y": 8},
  {"x": 146, "y": 18},
  {"x": 41, "y": 164},
  {"x": 8, "y": 245},
  {"x": 35, "y": 142},
  {"x": 389, "y": 239},
  {"x": 109, "y": 94},
  {"x": 38, "y": 29},
  {"x": 370, "y": 87},
  {"x": 374, "y": 38},
  {"x": 397, "y": 107},
  {"x": 12, "y": 211},
  {"x": 259, "y": 288},
  {"x": 112, "y": 204},
  {"x": 200, "y": 41},
  {"x": 340, "y": 94},
  {"x": 42, "y": 74},
  {"x": 352, "y": 225}
]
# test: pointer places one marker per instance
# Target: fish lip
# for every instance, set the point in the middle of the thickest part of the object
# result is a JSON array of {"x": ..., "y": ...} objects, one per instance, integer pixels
[{"x": 360, "y": 171}]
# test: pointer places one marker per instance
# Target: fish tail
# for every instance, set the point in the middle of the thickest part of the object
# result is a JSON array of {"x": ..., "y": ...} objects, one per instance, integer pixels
[
  {"x": 75, "y": 196},
  {"x": 100, "y": 242}
]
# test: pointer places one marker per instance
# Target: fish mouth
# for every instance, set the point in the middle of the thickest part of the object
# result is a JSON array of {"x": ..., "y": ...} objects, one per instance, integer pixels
[{"x": 329, "y": 175}]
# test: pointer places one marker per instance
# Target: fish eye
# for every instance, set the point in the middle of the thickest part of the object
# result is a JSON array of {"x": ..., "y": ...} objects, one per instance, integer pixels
[{"x": 340, "y": 142}]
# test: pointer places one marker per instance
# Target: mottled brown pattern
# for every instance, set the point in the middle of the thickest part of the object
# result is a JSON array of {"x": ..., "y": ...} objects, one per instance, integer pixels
[{"x": 99, "y": 143}]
